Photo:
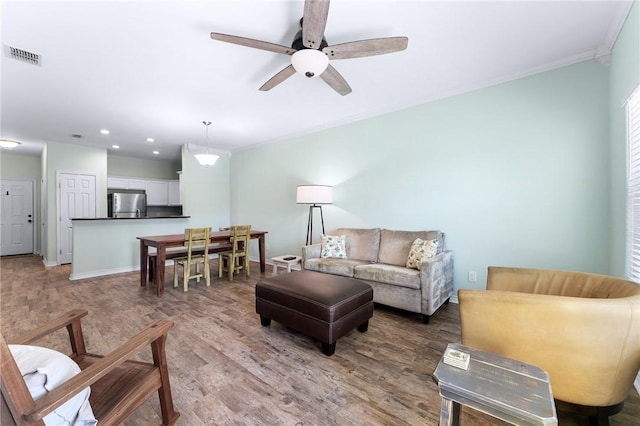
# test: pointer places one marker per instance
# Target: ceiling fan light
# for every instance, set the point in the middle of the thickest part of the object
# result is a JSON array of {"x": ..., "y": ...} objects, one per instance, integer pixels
[
  {"x": 8, "y": 143},
  {"x": 309, "y": 62}
]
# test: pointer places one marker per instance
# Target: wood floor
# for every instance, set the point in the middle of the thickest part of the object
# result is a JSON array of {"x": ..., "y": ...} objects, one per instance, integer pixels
[{"x": 228, "y": 370}]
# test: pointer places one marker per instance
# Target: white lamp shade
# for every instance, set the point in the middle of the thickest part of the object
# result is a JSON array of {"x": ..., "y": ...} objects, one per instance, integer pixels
[
  {"x": 206, "y": 159},
  {"x": 309, "y": 62},
  {"x": 314, "y": 194}
]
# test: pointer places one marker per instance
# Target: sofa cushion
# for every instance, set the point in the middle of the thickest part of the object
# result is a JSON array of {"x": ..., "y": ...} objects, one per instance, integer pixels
[
  {"x": 342, "y": 267},
  {"x": 395, "y": 245},
  {"x": 421, "y": 250},
  {"x": 362, "y": 244},
  {"x": 389, "y": 274},
  {"x": 333, "y": 246}
]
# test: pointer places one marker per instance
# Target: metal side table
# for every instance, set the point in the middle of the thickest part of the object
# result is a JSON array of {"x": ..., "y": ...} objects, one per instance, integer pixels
[{"x": 504, "y": 388}]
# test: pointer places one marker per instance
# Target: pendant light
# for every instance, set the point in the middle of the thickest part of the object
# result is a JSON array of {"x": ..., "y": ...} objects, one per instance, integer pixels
[{"x": 207, "y": 159}]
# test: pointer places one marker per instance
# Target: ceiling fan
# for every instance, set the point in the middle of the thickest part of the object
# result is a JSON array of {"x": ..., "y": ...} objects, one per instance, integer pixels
[{"x": 310, "y": 52}]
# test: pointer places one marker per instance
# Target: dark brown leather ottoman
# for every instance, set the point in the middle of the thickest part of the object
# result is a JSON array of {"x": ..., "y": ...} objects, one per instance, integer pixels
[{"x": 322, "y": 306}]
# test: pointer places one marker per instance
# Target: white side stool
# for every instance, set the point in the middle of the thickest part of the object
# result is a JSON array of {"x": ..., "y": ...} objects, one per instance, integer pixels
[{"x": 282, "y": 260}]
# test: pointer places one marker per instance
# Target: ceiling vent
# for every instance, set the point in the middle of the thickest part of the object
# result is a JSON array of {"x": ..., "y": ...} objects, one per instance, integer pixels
[{"x": 23, "y": 55}]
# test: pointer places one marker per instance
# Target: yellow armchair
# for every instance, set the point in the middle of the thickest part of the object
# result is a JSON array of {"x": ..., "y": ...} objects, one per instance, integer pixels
[{"x": 583, "y": 329}]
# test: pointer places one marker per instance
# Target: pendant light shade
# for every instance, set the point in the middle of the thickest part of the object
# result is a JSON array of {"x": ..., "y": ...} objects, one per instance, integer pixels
[{"x": 207, "y": 159}]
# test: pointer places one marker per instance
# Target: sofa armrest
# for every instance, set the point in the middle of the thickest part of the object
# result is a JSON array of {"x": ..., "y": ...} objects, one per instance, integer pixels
[
  {"x": 311, "y": 252},
  {"x": 436, "y": 281}
]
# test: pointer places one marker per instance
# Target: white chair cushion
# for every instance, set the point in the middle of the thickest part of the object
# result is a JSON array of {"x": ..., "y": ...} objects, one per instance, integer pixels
[{"x": 43, "y": 370}]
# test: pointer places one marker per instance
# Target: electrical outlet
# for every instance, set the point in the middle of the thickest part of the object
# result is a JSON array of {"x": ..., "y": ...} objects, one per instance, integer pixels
[{"x": 473, "y": 277}]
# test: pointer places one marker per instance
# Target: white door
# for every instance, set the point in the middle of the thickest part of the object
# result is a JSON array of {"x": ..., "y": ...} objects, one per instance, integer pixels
[
  {"x": 77, "y": 200},
  {"x": 16, "y": 217}
]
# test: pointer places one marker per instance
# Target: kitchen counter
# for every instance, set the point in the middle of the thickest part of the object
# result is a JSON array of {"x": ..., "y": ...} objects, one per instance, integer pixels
[
  {"x": 107, "y": 245},
  {"x": 131, "y": 218}
]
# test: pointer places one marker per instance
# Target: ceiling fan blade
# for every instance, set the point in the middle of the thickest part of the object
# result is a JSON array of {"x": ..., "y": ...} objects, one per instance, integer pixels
[
  {"x": 314, "y": 21},
  {"x": 362, "y": 48},
  {"x": 256, "y": 44},
  {"x": 333, "y": 78},
  {"x": 278, "y": 78}
]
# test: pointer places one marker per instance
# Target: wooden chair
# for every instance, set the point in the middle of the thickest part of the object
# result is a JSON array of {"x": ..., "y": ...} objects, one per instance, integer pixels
[
  {"x": 197, "y": 240},
  {"x": 118, "y": 385},
  {"x": 238, "y": 258}
]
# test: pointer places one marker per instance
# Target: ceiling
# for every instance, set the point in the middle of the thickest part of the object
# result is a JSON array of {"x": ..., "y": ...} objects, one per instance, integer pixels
[{"x": 149, "y": 69}]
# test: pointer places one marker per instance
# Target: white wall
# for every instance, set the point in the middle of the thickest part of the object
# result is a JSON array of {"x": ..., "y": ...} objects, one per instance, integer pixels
[
  {"x": 515, "y": 174},
  {"x": 143, "y": 168},
  {"x": 205, "y": 191},
  {"x": 104, "y": 247},
  {"x": 111, "y": 246},
  {"x": 624, "y": 76},
  {"x": 67, "y": 158}
]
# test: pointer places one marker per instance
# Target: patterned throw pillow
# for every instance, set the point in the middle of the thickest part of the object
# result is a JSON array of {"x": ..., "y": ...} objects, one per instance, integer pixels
[
  {"x": 421, "y": 250},
  {"x": 334, "y": 246}
]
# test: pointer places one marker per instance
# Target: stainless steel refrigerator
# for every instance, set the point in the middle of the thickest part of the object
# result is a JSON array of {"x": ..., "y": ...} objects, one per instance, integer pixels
[{"x": 121, "y": 204}]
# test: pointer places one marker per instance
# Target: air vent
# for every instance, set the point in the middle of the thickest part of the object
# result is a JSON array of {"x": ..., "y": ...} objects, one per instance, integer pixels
[
  {"x": 77, "y": 136},
  {"x": 23, "y": 55}
]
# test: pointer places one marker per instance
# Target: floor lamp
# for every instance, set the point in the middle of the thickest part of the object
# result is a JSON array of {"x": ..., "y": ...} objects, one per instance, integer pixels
[{"x": 314, "y": 195}]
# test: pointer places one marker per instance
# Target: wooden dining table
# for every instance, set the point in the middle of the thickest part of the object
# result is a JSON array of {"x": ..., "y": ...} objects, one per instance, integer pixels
[{"x": 162, "y": 242}]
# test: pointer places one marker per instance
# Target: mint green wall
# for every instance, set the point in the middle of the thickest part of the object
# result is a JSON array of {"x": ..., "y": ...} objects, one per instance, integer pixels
[
  {"x": 205, "y": 191},
  {"x": 624, "y": 76},
  {"x": 26, "y": 167},
  {"x": 142, "y": 168},
  {"x": 515, "y": 174},
  {"x": 119, "y": 249},
  {"x": 67, "y": 158},
  {"x": 205, "y": 198}
]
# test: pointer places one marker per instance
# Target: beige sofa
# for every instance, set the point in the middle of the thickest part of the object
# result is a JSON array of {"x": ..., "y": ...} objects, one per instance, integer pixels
[
  {"x": 583, "y": 329},
  {"x": 378, "y": 257}
]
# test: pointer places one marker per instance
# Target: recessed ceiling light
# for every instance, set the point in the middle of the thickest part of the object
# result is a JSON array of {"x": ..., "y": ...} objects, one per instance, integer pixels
[
  {"x": 156, "y": 152},
  {"x": 8, "y": 143},
  {"x": 105, "y": 131},
  {"x": 115, "y": 146},
  {"x": 150, "y": 139}
]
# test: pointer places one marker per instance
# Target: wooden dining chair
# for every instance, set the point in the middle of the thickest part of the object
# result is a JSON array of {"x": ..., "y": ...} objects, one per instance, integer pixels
[
  {"x": 118, "y": 385},
  {"x": 238, "y": 258},
  {"x": 197, "y": 240}
]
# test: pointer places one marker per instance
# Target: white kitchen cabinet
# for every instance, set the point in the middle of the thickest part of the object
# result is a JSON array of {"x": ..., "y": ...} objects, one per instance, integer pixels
[
  {"x": 174, "y": 193},
  {"x": 117, "y": 182},
  {"x": 157, "y": 192},
  {"x": 160, "y": 192},
  {"x": 137, "y": 184},
  {"x": 125, "y": 182}
]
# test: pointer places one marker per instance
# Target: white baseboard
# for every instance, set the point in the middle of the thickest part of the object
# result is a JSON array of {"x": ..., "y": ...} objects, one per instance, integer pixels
[
  {"x": 103, "y": 272},
  {"x": 636, "y": 383},
  {"x": 47, "y": 263},
  {"x": 454, "y": 299}
]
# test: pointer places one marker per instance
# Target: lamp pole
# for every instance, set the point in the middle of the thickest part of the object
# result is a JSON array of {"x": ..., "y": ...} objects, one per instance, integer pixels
[{"x": 310, "y": 223}]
